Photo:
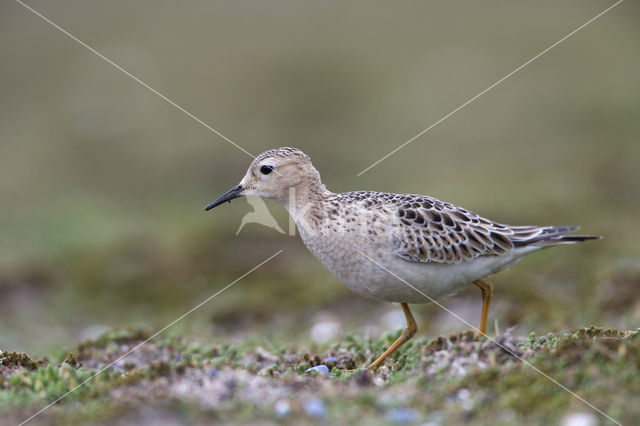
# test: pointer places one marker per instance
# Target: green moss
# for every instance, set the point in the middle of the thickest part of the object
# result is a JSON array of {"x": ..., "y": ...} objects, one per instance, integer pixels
[
  {"x": 20, "y": 360},
  {"x": 594, "y": 362}
]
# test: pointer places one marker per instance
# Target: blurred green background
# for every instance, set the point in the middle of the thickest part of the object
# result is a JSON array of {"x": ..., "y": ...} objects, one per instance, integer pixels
[{"x": 103, "y": 183}]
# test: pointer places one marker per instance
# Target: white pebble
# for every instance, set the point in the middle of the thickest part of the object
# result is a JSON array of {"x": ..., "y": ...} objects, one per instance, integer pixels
[
  {"x": 282, "y": 408},
  {"x": 579, "y": 419}
]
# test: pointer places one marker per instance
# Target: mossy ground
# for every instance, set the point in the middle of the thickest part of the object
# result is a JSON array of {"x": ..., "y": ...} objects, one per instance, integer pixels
[{"x": 447, "y": 380}]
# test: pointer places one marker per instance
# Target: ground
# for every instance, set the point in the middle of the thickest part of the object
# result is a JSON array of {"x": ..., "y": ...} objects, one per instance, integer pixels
[{"x": 446, "y": 380}]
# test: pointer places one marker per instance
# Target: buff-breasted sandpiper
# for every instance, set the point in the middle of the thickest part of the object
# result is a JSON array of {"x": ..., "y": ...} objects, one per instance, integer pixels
[{"x": 393, "y": 247}]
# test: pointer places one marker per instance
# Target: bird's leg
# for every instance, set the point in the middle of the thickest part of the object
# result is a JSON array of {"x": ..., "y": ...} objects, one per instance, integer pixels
[
  {"x": 487, "y": 293},
  {"x": 406, "y": 335}
]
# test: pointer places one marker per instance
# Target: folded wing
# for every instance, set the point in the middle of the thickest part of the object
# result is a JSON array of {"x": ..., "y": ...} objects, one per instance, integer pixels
[{"x": 429, "y": 230}]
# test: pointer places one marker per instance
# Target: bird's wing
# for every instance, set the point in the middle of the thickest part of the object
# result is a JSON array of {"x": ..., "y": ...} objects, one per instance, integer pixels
[
  {"x": 429, "y": 230},
  {"x": 425, "y": 229}
]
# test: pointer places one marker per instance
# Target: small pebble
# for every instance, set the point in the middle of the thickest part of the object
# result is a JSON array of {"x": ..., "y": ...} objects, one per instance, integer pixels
[
  {"x": 464, "y": 394},
  {"x": 319, "y": 368},
  {"x": 118, "y": 369},
  {"x": 402, "y": 415},
  {"x": 314, "y": 407},
  {"x": 282, "y": 408},
  {"x": 213, "y": 372},
  {"x": 331, "y": 360},
  {"x": 579, "y": 419}
]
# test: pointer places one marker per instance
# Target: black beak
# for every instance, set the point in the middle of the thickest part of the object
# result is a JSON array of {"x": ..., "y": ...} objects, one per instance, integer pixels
[{"x": 228, "y": 196}]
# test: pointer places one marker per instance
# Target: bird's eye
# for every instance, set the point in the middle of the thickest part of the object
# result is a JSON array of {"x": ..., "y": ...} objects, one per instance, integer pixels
[{"x": 265, "y": 170}]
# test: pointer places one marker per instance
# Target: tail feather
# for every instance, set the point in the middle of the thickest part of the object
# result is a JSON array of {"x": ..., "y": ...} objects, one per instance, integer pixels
[
  {"x": 567, "y": 239},
  {"x": 547, "y": 236}
]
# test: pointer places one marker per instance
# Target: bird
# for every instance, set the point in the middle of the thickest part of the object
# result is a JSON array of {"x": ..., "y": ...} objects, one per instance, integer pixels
[{"x": 403, "y": 248}]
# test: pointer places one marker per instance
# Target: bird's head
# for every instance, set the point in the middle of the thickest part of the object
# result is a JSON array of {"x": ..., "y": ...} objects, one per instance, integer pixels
[{"x": 273, "y": 174}]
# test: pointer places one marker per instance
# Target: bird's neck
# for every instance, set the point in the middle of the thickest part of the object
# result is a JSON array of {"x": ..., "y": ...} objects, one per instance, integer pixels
[{"x": 304, "y": 201}]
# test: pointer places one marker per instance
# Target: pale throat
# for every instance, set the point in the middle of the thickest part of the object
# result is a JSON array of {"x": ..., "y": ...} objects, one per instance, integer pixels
[{"x": 304, "y": 200}]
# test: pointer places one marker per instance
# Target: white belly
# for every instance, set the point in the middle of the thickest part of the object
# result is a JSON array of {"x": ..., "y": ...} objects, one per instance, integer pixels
[{"x": 377, "y": 272}]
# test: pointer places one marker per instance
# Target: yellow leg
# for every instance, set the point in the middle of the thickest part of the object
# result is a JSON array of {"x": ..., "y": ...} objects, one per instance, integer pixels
[
  {"x": 406, "y": 335},
  {"x": 487, "y": 293}
]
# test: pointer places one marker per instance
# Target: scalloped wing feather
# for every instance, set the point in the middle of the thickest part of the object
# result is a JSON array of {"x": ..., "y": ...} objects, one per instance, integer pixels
[
  {"x": 426, "y": 229},
  {"x": 429, "y": 230}
]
